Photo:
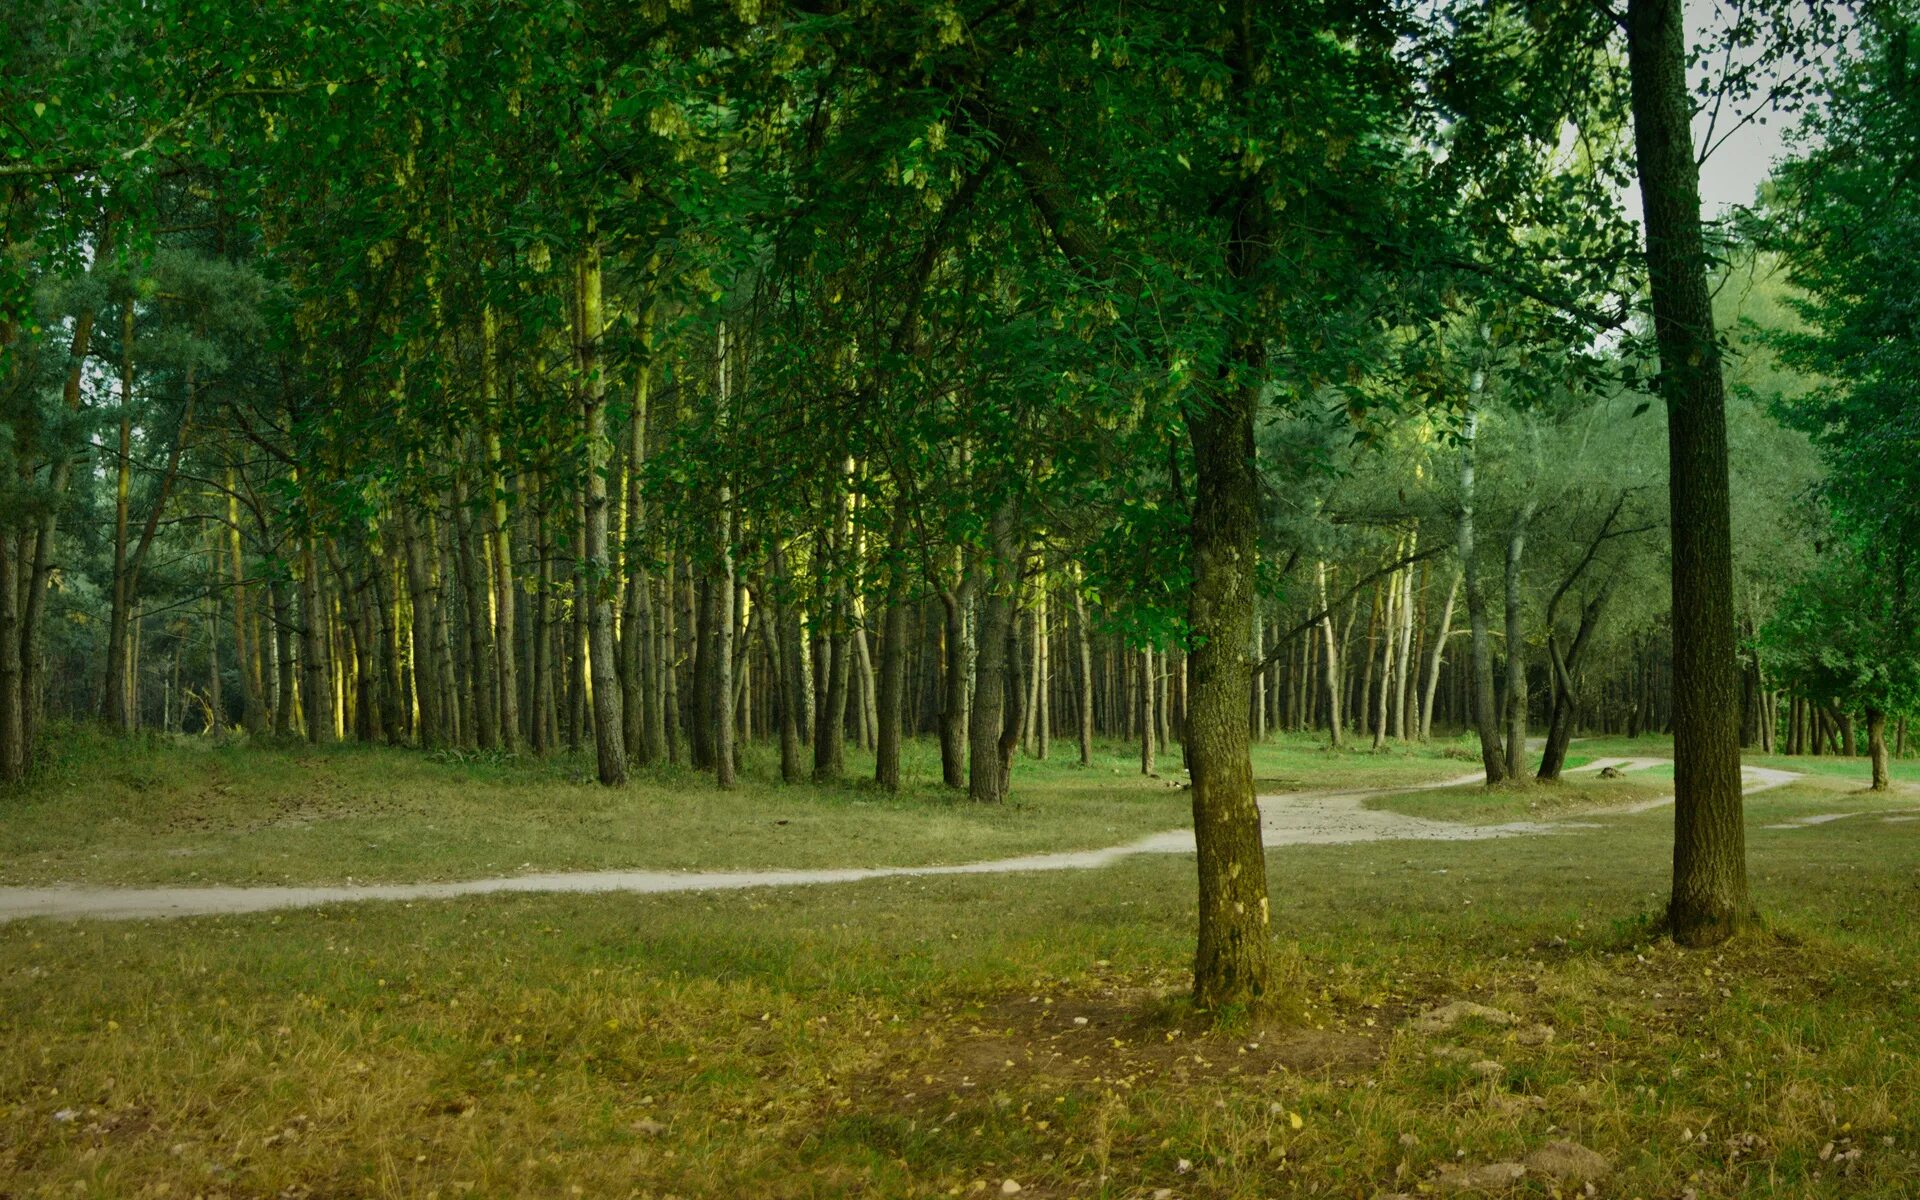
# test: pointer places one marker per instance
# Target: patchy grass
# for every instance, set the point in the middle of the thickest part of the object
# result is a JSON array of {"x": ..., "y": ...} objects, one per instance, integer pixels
[
  {"x": 925, "y": 1037},
  {"x": 1527, "y": 799}
]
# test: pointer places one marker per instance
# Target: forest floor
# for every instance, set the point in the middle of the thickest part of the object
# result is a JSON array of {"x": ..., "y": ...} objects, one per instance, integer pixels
[{"x": 1005, "y": 1034}]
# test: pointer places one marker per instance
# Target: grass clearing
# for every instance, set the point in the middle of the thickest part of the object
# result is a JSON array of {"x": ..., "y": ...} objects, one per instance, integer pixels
[
  {"x": 164, "y": 810},
  {"x": 925, "y": 1037}
]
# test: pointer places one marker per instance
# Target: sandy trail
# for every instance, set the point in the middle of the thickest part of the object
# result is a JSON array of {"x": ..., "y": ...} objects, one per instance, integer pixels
[{"x": 1303, "y": 819}]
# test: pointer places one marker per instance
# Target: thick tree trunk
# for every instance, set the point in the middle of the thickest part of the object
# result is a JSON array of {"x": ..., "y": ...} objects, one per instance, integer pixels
[
  {"x": 1710, "y": 899},
  {"x": 987, "y": 716},
  {"x": 1877, "y": 749},
  {"x": 957, "y": 675},
  {"x": 1232, "y": 963}
]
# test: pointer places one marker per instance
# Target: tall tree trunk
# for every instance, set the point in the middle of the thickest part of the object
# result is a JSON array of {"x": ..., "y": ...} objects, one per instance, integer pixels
[
  {"x": 29, "y": 691},
  {"x": 595, "y": 572},
  {"x": 1408, "y": 664},
  {"x": 788, "y": 652},
  {"x": 893, "y": 656},
  {"x": 252, "y": 715},
  {"x": 987, "y": 716},
  {"x": 420, "y": 594},
  {"x": 216, "y": 701},
  {"x": 830, "y": 729},
  {"x": 1232, "y": 962},
  {"x": 1149, "y": 723},
  {"x": 316, "y": 671},
  {"x": 1389, "y": 650},
  {"x": 957, "y": 673},
  {"x": 1484, "y": 720},
  {"x": 13, "y": 737},
  {"x": 724, "y": 587},
  {"x": 475, "y": 576},
  {"x": 1086, "y": 669},
  {"x": 506, "y": 669},
  {"x": 1517, "y": 698},
  {"x": 1437, "y": 654},
  {"x": 645, "y": 733},
  {"x": 116, "y": 691},
  {"x": 1335, "y": 701},
  {"x": 1710, "y": 899}
]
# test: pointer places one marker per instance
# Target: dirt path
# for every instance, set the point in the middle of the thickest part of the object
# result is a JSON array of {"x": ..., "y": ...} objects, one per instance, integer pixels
[{"x": 1315, "y": 818}]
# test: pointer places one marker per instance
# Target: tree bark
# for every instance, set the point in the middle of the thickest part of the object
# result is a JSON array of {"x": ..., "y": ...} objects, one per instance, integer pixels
[
  {"x": 1877, "y": 749},
  {"x": 1484, "y": 721},
  {"x": 1517, "y": 697},
  {"x": 253, "y": 717},
  {"x": 315, "y": 670},
  {"x": 1710, "y": 899},
  {"x": 1331, "y": 662},
  {"x": 1232, "y": 962},
  {"x": 595, "y": 571},
  {"x": 1086, "y": 670},
  {"x": 723, "y": 582},
  {"x": 987, "y": 716},
  {"x": 893, "y": 657},
  {"x": 830, "y": 726},
  {"x": 420, "y": 594},
  {"x": 957, "y": 673},
  {"x": 1437, "y": 655}
]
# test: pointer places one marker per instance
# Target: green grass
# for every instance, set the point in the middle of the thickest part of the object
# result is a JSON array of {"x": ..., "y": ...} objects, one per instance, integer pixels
[
  {"x": 1527, "y": 799},
  {"x": 918, "y": 1037},
  {"x": 188, "y": 811},
  {"x": 185, "y": 810}
]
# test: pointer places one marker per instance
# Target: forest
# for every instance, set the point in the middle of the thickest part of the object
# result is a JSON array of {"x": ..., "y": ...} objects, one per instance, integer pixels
[{"x": 440, "y": 436}]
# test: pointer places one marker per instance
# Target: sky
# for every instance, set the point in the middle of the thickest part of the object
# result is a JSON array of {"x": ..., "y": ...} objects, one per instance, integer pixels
[{"x": 1735, "y": 168}]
